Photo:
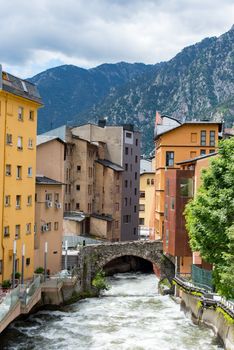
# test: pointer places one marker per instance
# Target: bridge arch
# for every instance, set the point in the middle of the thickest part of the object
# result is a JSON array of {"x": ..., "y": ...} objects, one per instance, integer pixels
[{"x": 93, "y": 258}]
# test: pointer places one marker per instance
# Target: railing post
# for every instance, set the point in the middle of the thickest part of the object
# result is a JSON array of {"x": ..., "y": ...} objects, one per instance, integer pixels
[{"x": 13, "y": 267}]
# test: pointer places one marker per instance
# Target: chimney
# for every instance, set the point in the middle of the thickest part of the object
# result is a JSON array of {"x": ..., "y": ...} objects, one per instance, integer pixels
[
  {"x": 158, "y": 119},
  {"x": 102, "y": 123}
]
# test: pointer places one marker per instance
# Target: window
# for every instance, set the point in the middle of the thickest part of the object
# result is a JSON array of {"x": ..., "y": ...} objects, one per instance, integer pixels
[
  {"x": 135, "y": 176},
  {"x": 7, "y": 201},
  {"x": 9, "y": 139},
  {"x": 8, "y": 170},
  {"x": 194, "y": 137},
  {"x": 126, "y": 219},
  {"x": 135, "y": 191},
  {"x": 69, "y": 188},
  {"x": 125, "y": 201},
  {"x": 116, "y": 224},
  {"x": 134, "y": 231},
  {"x": 172, "y": 203},
  {"x": 29, "y": 200},
  {"x": 126, "y": 166},
  {"x": 78, "y": 168},
  {"x": 141, "y": 221},
  {"x": 48, "y": 226},
  {"x": 136, "y": 159},
  {"x": 135, "y": 208},
  {"x": 27, "y": 261},
  {"x": 17, "y": 231},
  {"x": 90, "y": 172},
  {"x": 48, "y": 197},
  {"x": 166, "y": 211},
  {"x": 142, "y": 194},
  {"x": 202, "y": 152},
  {"x": 126, "y": 150},
  {"x": 31, "y": 115},
  {"x": 169, "y": 158},
  {"x": 30, "y": 171},
  {"x": 212, "y": 138},
  {"x": 148, "y": 181},
  {"x": 20, "y": 113},
  {"x": 30, "y": 143},
  {"x": 19, "y": 172},
  {"x": 211, "y": 150},
  {"x": 28, "y": 228},
  {"x": 78, "y": 187},
  {"x": 186, "y": 187},
  {"x": 152, "y": 181},
  {"x": 18, "y": 202},
  {"x": 167, "y": 237},
  {"x": 56, "y": 197},
  {"x": 203, "y": 138},
  {"x": 77, "y": 206},
  {"x": 136, "y": 142},
  {"x": 89, "y": 189},
  {"x": 6, "y": 231},
  {"x": 129, "y": 135},
  {"x": 167, "y": 187},
  {"x": 89, "y": 207},
  {"x": 20, "y": 143},
  {"x": 56, "y": 226},
  {"x": 126, "y": 183},
  {"x": 117, "y": 206},
  {"x": 141, "y": 207}
]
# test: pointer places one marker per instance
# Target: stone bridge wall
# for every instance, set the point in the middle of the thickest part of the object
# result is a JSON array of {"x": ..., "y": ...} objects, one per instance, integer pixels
[{"x": 93, "y": 258}]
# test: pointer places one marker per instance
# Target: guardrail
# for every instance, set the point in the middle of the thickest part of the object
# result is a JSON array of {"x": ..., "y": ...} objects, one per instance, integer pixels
[{"x": 8, "y": 302}]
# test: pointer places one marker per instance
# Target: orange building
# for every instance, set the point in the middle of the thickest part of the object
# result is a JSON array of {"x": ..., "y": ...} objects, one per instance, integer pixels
[{"x": 176, "y": 141}]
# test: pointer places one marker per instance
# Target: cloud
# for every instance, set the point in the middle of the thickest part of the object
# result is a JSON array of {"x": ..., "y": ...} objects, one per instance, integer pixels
[{"x": 36, "y": 35}]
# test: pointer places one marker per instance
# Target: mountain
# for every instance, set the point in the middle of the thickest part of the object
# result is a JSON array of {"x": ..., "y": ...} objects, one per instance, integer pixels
[{"x": 197, "y": 83}]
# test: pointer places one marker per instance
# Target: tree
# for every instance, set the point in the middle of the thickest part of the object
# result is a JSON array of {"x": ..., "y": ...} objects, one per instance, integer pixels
[{"x": 210, "y": 215}]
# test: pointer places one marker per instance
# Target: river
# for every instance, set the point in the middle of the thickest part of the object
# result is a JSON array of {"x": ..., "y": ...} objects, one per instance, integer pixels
[{"x": 130, "y": 315}]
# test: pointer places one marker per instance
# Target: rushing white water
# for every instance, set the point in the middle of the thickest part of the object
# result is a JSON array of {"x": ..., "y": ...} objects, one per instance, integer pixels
[{"x": 131, "y": 316}]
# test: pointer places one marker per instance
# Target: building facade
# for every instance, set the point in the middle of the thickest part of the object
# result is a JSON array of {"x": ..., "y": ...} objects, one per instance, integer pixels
[
  {"x": 19, "y": 102},
  {"x": 174, "y": 142},
  {"x": 102, "y": 179}
]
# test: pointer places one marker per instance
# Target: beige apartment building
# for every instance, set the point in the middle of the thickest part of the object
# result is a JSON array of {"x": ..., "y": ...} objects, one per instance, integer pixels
[
  {"x": 102, "y": 180},
  {"x": 49, "y": 202}
]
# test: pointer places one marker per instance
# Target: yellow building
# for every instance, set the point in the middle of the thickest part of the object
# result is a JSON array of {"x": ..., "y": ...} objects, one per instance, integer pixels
[
  {"x": 174, "y": 142},
  {"x": 19, "y": 102},
  {"x": 146, "y": 201}
]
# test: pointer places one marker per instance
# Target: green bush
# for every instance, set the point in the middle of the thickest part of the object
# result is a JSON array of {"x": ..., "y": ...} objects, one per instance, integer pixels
[
  {"x": 6, "y": 284},
  {"x": 17, "y": 275},
  {"x": 99, "y": 281},
  {"x": 39, "y": 270}
]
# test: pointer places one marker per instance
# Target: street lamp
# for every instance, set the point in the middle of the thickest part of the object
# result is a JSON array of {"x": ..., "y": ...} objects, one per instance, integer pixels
[
  {"x": 22, "y": 270},
  {"x": 14, "y": 257},
  {"x": 65, "y": 255},
  {"x": 45, "y": 260}
]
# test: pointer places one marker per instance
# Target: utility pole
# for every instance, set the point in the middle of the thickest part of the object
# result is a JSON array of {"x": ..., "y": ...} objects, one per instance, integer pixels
[
  {"x": 13, "y": 267},
  {"x": 22, "y": 271}
]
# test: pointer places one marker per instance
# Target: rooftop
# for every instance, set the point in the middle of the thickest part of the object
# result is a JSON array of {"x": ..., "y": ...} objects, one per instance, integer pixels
[
  {"x": 102, "y": 217},
  {"x": 19, "y": 87},
  {"x": 108, "y": 164},
  {"x": 47, "y": 138},
  {"x": 193, "y": 160},
  {"x": 43, "y": 180}
]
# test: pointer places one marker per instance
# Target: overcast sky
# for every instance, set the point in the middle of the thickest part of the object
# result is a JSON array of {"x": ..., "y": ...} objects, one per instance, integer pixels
[{"x": 40, "y": 34}]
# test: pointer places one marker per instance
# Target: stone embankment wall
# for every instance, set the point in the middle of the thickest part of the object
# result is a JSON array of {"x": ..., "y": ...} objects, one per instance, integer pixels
[{"x": 222, "y": 325}]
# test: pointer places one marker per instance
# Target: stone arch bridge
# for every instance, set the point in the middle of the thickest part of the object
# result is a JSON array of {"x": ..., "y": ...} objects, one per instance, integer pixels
[{"x": 93, "y": 258}]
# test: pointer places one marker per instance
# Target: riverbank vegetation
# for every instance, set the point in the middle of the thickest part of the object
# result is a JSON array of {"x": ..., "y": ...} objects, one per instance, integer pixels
[{"x": 210, "y": 218}]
